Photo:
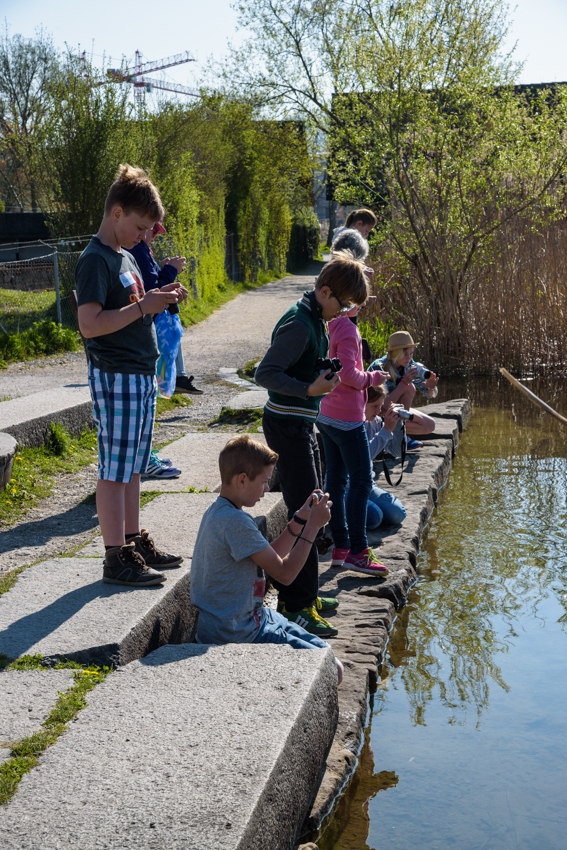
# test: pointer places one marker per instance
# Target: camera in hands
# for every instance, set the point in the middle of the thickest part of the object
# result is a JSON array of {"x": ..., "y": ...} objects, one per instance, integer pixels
[
  {"x": 422, "y": 372},
  {"x": 332, "y": 363},
  {"x": 405, "y": 414}
]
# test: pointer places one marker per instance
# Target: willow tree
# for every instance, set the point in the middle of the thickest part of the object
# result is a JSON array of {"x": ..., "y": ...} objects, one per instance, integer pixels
[{"x": 423, "y": 123}]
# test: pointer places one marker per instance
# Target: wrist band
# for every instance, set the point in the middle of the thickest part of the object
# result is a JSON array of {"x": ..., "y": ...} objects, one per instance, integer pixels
[
  {"x": 293, "y": 534},
  {"x": 298, "y": 520},
  {"x": 140, "y": 306}
]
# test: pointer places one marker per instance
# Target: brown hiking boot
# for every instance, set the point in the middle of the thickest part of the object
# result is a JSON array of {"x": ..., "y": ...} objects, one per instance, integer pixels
[
  {"x": 146, "y": 547},
  {"x": 123, "y": 565}
]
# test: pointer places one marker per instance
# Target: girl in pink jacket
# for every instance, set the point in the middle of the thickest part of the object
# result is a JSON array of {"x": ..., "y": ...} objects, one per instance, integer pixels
[{"x": 347, "y": 452}]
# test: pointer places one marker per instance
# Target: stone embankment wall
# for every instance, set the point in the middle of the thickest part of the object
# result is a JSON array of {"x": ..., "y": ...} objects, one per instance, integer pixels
[{"x": 368, "y": 607}]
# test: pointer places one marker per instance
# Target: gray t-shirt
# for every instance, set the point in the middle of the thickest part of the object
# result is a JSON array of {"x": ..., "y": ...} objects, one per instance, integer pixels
[
  {"x": 226, "y": 585},
  {"x": 114, "y": 280}
]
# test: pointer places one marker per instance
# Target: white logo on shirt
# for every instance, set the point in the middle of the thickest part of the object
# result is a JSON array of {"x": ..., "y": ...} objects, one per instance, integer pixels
[{"x": 127, "y": 279}]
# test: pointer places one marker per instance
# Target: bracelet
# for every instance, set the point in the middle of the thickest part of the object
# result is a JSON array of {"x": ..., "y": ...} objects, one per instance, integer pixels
[
  {"x": 298, "y": 520},
  {"x": 140, "y": 306},
  {"x": 311, "y": 542},
  {"x": 293, "y": 534}
]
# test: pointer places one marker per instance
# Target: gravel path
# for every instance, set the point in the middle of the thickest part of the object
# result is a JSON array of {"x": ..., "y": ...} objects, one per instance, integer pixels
[{"x": 238, "y": 332}]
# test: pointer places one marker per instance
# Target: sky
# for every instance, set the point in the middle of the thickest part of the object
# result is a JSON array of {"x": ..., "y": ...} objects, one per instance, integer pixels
[{"x": 203, "y": 27}]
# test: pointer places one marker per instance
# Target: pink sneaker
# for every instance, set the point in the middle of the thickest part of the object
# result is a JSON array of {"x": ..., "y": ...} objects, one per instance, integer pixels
[
  {"x": 339, "y": 556},
  {"x": 365, "y": 562}
]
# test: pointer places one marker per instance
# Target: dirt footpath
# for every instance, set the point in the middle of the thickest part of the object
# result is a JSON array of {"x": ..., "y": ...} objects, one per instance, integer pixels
[{"x": 236, "y": 333}]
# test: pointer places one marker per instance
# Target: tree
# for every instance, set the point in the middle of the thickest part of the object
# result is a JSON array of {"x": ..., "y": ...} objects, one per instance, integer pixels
[
  {"x": 424, "y": 125},
  {"x": 26, "y": 67},
  {"x": 86, "y": 132}
]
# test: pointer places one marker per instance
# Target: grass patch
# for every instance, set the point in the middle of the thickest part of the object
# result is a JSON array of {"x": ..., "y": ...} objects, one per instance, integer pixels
[
  {"x": 166, "y": 405},
  {"x": 7, "y": 581},
  {"x": 26, "y": 752},
  {"x": 148, "y": 496},
  {"x": 34, "y": 470},
  {"x": 250, "y": 418},
  {"x": 248, "y": 371}
]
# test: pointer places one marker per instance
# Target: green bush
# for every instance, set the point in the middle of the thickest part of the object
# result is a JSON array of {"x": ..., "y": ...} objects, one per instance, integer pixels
[{"x": 43, "y": 337}]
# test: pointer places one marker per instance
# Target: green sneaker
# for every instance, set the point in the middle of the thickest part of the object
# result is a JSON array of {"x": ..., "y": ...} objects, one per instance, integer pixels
[
  {"x": 309, "y": 619},
  {"x": 326, "y": 603}
]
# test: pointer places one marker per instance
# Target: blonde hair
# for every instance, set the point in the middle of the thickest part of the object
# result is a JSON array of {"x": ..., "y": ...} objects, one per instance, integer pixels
[
  {"x": 243, "y": 454},
  {"x": 134, "y": 192},
  {"x": 345, "y": 276}
]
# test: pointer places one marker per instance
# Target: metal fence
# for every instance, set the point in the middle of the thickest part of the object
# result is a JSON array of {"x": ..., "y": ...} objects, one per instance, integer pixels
[{"x": 37, "y": 289}]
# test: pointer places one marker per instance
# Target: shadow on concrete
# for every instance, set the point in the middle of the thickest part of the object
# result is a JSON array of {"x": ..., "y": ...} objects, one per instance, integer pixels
[
  {"x": 81, "y": 517},
  {"x": 24, "y": 633}
]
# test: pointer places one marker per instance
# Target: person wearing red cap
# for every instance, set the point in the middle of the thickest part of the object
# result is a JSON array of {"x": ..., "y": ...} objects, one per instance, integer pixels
[{"x": 154, "y": 277}]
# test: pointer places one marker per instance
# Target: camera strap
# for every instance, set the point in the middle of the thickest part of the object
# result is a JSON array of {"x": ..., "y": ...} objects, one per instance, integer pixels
[{"x": 387, "y": 471}]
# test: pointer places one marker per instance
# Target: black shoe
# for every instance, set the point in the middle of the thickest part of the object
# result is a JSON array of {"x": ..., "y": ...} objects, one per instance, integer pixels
[
  {"x": 146, "y": 547},
  {"x": 184, "y": 384},
  {"x": 123, "y": 565}
]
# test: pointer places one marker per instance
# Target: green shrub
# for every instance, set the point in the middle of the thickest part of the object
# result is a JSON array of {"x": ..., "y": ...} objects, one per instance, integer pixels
[{"x": 59, "y": 440}]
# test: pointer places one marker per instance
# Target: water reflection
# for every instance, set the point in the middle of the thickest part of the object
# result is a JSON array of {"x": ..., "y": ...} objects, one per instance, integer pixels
[{"x": 469, "y": 713}]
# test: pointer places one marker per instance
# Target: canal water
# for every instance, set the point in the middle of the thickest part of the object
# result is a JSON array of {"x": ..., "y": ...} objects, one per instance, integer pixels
[{"x": 466, "y": 746}]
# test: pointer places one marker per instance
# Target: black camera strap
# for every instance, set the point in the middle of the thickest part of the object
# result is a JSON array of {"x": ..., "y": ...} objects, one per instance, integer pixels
[{"x": 387, "y": 471}]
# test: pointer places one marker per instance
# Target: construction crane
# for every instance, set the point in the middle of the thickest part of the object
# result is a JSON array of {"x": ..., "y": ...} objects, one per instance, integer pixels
[{"x": 142, "y": 84}]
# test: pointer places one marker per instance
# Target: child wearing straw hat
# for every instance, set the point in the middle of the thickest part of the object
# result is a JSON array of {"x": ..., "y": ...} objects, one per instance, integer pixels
[{"x": 407, "y": 376}]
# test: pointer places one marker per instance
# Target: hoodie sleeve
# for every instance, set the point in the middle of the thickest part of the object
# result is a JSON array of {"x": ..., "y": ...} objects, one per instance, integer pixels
[{"x": 288, "y": 346}]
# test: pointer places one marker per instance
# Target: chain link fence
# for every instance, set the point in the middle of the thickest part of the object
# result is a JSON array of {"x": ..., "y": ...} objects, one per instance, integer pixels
[{"x": 37, "y": 289}]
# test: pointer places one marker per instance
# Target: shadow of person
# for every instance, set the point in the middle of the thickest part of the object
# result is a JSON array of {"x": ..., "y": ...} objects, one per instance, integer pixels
[
  {"x": 27, "y": 631},
  {"x": 81, "y": 517}
]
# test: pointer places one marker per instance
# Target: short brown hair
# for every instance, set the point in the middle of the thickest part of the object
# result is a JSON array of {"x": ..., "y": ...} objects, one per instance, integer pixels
[
  {"x": 134, "y": 192},
  {"x": 365, "y": 216},
  {"x": 345, "y": 276},
  {"x": 243, "y": 454},
  {"x": 374, "y": 393}
]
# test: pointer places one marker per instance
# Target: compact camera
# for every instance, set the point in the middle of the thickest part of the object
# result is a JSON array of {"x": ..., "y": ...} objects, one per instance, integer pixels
[
  {"x": 405, "y": 414},
  {"x": 332, "y": 363},
  {"x": 422, "y": 372}
]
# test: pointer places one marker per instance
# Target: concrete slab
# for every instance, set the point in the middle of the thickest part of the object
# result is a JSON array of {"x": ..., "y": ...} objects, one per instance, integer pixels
[
  {"x": 197, "y": 455},
  {"x": 61, "y": 608},
  {"x": 27, "y": 697},
  {"x": 28, "y": 418},
  {"x": 194, "y": 747},
  {"x": 251, "y": 400},
  {"x": 174, "y": 519},
  {"x": 457, "y": 408}
]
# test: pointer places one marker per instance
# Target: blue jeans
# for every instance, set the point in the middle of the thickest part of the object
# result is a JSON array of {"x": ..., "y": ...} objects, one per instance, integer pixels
[
  {"x": 277, "y": 629},
  {"x": 179, "y": 364},
  {"x": 383, "y": 507},
  {"x": 348, "y": 458}
]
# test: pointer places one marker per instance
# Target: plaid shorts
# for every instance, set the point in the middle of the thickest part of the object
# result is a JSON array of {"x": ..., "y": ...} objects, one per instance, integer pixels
[{"x": 124, "y": 409}]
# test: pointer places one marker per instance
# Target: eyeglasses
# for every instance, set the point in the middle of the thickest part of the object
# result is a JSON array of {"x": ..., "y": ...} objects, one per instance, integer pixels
[{"x": 344, "y": 307}]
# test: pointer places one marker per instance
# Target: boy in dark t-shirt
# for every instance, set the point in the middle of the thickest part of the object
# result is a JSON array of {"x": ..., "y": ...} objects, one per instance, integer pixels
[{"x": 116, "y": 319}]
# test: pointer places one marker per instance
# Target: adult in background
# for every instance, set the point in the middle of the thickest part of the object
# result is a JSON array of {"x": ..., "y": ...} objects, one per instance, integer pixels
[
  {"x": 406, "y": 376},
  {"x": 363, "y": 221},
  {"x": 155, "y": 276}
]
